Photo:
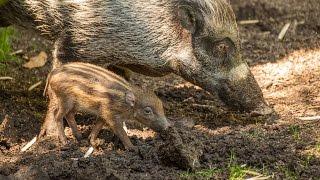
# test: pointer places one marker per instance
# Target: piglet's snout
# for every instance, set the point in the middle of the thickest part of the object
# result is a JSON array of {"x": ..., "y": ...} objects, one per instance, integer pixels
[{"x": 162, "y": 124}]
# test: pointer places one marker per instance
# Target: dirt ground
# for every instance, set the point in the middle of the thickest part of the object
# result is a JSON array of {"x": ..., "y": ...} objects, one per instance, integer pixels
[{"x": 288, "y": 72}]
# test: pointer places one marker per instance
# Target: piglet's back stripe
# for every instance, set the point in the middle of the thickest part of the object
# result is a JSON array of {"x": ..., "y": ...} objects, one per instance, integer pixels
[{"x": 100, "y": 72}]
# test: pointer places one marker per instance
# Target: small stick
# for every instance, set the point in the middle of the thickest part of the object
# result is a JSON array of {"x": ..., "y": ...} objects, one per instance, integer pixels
[
  {"x": 311, "y": 118},
  {"x": 34, "y": 86},
  {"x": 29, "y": 144},
  {"x": 259, "y": 178},
  {"x": 252, "y": 173},
  {"x": 314, "y": 107},
  {"x": 283, "y": 31},
  {"x": 16, "y": 52},
  {"x": 248, "y": 22},
  {"x": 125, "y": 127},
  {"x": 89, "y": 152},
  {"x": 204, "y": 106},
  {"x": 6, "y": 78}
]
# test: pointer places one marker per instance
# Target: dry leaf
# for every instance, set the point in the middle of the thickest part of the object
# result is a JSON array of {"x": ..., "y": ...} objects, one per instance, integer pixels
[{"x": 37, "y": 61}]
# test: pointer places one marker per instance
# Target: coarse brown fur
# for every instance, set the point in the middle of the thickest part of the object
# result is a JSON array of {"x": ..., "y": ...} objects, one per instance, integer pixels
[
  {"x": 85, "y": 87},
  {"x": 196, "y": 39}
]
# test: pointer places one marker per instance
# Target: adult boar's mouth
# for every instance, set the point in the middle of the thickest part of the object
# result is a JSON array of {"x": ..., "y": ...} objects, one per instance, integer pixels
[
  {"x": 237, "y": 88},
  {"x": 243, "y": 93}
]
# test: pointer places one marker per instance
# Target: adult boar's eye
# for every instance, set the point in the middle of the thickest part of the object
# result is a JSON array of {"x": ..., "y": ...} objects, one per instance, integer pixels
[
  {"x": 147, "y": 111},
  {"x": 224, "y": 48}
]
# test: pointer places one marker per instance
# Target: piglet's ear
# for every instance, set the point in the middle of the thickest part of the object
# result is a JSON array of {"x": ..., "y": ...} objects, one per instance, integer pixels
[
  {"x": 187, "y": 18},
  {"x": 130, "y": 98}
]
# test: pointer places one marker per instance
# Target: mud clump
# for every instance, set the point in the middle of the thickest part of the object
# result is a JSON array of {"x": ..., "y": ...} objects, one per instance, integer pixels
[
  {"x": 29, "y": 173},
  {"x": 180, "y": 149}
]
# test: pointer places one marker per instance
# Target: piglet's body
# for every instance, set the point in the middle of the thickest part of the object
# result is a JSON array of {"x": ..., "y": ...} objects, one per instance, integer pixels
[{"x": 88, "y": 88}]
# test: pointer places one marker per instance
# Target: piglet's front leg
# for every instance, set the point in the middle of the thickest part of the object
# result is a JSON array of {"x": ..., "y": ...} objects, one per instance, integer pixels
[
  {"x": 94, "y": 133},
  {"x": 49, "y": 126},
  {"x": 117, "y": 126}
]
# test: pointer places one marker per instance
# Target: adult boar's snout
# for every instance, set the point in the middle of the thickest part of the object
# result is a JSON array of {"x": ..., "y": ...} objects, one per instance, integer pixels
[{"x": 240, "y": 91}]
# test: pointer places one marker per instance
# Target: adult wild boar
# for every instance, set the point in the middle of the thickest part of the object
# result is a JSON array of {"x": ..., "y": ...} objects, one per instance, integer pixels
[{"x": 195, "y": 39}]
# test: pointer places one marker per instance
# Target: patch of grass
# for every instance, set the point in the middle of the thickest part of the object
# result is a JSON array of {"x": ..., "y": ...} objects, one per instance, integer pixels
[
  {"x": 238, "y": 172},
  {"x": 2, "y": 2},
  {"x": 290, "y": 175},
  {"x": 235, "y": 171},
  {"x": 203, "y": 174},
  {"x": 5, "y": 44},
  {"x": 253, "y": 134},
  {"x": 295, "y": 131},
  {"x": 306, "y": 161},
  {"x": 38, "y": 115},
  {"x": 2, "y": 67}
]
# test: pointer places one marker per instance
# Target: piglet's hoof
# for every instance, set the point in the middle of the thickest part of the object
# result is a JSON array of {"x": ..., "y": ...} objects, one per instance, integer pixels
[
  {"x": 97, "y": 142},
  {"x": 79, "y": 137},
  {"x": 48, "y": 129},
  {"x": 66, "y": 145}
]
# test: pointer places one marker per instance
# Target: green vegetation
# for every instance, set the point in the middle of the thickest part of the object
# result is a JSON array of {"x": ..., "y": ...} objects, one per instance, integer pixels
[
  {"x": 295, "y": 131},
  {"x": 5, "y": 45},
  {"x": 290, "y": 175},
  {"x": 237, "y": 172},
  {"x": 254, "y": 134},
  {"x": 203, "y": 174},
  {"x": 306, "y": 161},
  {"x": 2, "y": 2}
]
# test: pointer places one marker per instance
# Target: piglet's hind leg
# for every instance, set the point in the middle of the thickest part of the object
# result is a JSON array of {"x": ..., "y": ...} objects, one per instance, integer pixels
[
  {"x": 73, "y": 125},
  {"x": 94, "y": 133}
]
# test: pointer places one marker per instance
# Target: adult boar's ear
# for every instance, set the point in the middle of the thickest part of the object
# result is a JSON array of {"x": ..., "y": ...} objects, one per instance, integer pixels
[
  {"x": 187, "y": 18},
  {"x": 130, "y": 98}
]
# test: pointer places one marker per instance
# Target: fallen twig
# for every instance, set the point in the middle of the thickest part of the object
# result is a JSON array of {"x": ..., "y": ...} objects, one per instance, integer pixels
[
  {"x": 283, "y": 31},
  {"x": 6, "y": 78},
  {"x": 16, "y": 52},
  {"x": 252, "y": 173},
  {"x": 310, "y": 118},
  {"x": 89, "y": 152},
  {"x": 125, "y": 127},
  {"x": 34, "y": 86},
  {"x": 204, "y": 106},
  {"x": 259, "y": 178},
  {"x": 188, "y": 99},
  {"x": 29, "y": 144},
  {"x": 247, "y": 22},
  {"x": 314, "y": 107}
]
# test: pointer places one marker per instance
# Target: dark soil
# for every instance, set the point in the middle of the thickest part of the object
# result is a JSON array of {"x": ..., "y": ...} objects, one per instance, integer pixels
[
  {"x": 288, "y": 72},
  {"x": 180, "y": 149}
]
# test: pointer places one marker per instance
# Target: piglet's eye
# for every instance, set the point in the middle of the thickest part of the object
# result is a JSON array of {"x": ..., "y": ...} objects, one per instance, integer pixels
[{"x": 147, "y": 110}]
